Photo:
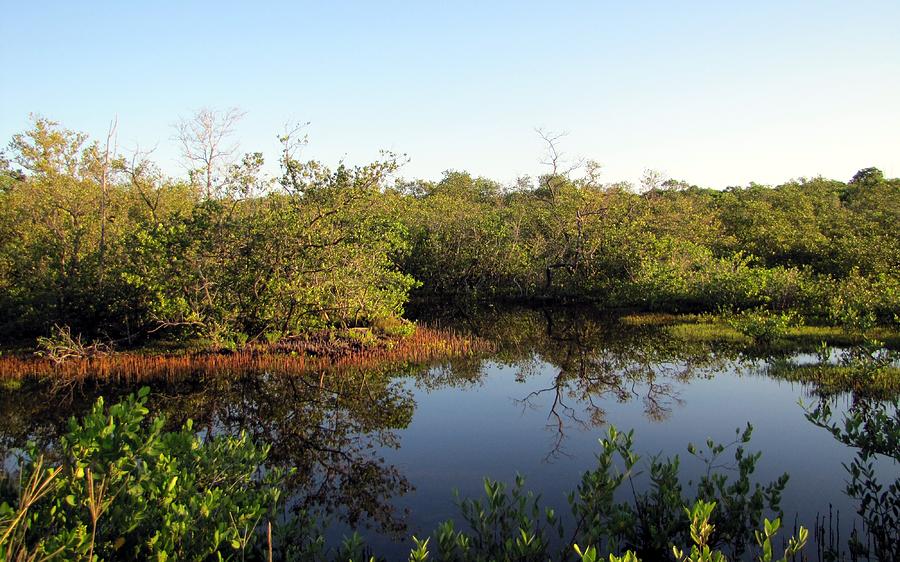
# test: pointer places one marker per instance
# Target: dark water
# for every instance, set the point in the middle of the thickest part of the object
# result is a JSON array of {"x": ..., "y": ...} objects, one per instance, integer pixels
[{"x": 383, "y": 451}]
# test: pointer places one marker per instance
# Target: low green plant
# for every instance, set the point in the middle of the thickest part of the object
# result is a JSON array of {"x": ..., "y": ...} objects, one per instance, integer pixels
[
  {"x": 363, "y": 336},
  {"x": 119, "y": 486},
  {"x": 872, "y": 428},
  {"x": 394, "y": 327},
  {"x": 761, "y": 325},
  {"x": 273, "y": 336},
  {"x": 504, "y": 526},
  {"x": 652, "y": 520},
  {"x": 512, "y": 524},
  {"x": 701, "y": 531}
]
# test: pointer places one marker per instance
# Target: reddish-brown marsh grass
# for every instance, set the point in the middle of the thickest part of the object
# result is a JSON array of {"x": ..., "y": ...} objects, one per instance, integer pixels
[{"x": 425, "y": 345}]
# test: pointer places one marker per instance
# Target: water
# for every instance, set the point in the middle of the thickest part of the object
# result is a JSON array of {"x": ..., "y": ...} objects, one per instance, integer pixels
[
  {"x": 457, "y": 436},
  {"x": 384, "y": 451}
]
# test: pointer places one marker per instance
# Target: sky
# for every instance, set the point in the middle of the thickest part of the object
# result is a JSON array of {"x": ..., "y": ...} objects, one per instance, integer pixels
[{"x": 714, "y": 93}]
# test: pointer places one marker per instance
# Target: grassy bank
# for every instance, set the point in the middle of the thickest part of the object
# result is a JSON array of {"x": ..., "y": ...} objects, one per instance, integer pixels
[
  {"x": 332, "y": 351},
  {"x": 721, "y": 329}
]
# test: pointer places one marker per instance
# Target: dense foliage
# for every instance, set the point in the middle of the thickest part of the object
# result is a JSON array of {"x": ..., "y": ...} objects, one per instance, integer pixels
[
  {"x": 824, "y": 247},
  {"x": 117, "y": 487},
  {"x": 121, "y": 251},
  {"x": 114, "y": 249}
]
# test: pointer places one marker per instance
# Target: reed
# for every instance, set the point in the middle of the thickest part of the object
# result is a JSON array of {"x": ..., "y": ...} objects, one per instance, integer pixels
[{"x": 300, "y": 356}]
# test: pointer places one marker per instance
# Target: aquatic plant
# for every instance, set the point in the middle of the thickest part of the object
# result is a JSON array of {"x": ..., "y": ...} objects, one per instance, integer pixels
[
  {"x": 872, "y": 428},
  {"x": 119, "y": 486},
  {"x": 867, "y": 370}
]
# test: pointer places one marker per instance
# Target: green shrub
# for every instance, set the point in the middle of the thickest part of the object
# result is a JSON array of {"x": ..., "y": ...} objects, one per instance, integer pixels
[
  {"x": 858, "y": 303},
  {"x": 872, "y": 428},
  {"x": 394, "y": 327},
  {"x": 762, "y": 325},
  {"x": 119, "y": 486}
]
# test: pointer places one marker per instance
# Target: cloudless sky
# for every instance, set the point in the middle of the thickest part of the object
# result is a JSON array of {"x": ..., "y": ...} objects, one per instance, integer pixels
[{"x": 716, "y": 93}]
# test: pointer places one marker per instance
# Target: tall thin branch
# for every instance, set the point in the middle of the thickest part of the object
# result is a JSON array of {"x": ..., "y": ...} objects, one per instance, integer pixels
[
  {"x": 104, "y": 192},
  {"x": 204, "y": 146}
]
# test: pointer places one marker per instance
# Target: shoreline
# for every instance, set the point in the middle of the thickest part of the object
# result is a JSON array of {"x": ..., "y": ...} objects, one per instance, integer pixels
[{"x": 297, "y": 355}]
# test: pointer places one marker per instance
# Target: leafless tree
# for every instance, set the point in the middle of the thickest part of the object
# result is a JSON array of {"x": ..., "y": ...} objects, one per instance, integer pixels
[
  {"x": 104, "y": 190},
  {"x": 553, "y": 156},
  {"x": 145, "y": 177},
  {"x": 204, "y": 144},
  {"x": 652, "y": 180},
  {"x": 555, "y": 159}
]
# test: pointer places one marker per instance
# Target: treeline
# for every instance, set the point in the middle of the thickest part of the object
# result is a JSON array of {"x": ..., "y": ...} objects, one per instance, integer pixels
[
  {"x": 824, "y": 247},
  {"x": 114, "y": 248}
]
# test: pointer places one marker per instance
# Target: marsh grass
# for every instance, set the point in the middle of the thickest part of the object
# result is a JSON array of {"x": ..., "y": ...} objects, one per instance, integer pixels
[
  {"x": 648, "y": 319},
  {"x": 326, "y": 352},
  {"x": 829, "y": 380},
  {"x": 837, "y": 336},
  {"x": 708, "y": 328},
  {"x": 707, "y": 332}
]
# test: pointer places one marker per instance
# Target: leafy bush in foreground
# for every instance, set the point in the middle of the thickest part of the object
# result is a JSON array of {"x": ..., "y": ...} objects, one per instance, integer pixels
[{"x": 120, "y": 487}]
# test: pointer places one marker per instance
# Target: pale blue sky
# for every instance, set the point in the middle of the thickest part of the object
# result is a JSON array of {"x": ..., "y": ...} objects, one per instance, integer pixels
[{"x": 717, "y": 93}]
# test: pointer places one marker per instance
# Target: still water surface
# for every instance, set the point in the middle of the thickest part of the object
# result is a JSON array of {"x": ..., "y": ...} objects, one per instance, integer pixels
[{"x": 384, "y": 451}]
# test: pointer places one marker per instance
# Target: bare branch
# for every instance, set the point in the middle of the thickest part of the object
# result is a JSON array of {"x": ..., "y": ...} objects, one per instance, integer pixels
[
  {"x": 104, "y": 192},
  {"x": 204, "y": 145},
  {"x": 652, "y": 180},
  {"x": 555, "y": 159},
  {"x": 552, "y": 156}
]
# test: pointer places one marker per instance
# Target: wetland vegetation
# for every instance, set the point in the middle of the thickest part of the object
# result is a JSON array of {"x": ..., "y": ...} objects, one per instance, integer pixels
[
  {"x": 106, "y": 249},
  {"x": 285, "y": 356},
  {"x": 336, "y": 486}
]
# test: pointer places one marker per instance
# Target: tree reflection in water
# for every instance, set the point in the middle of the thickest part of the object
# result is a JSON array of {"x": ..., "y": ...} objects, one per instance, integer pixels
[
  {"x": 330, "y": 428},
  {"x": 594, "y": 359},
  {"x": 872, "y": 429}
]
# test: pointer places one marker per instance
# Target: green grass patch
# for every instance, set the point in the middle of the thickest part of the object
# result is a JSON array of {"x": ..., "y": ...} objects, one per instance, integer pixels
[
  {"x": 716, "y": 329},
  {"x": 881, "y": 384},
  {"x": 649, "y": 319},
  {"x": 707, "y": 332}
]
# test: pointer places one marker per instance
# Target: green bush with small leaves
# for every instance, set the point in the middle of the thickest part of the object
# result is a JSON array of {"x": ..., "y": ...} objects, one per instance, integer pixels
[
  {"x": 761, "y": 325},
  {"x": 120, "y": 487}
]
